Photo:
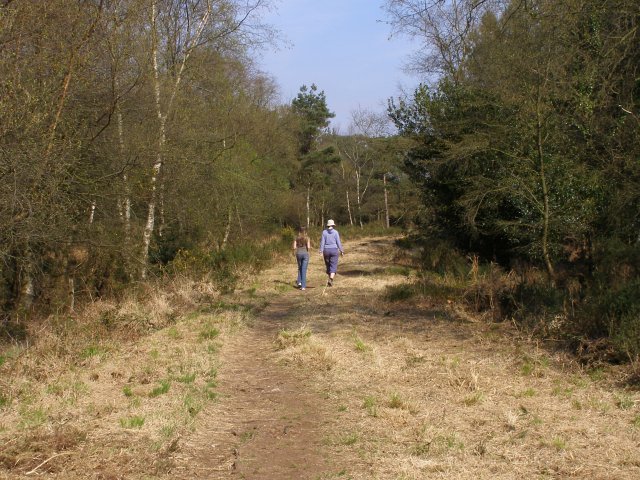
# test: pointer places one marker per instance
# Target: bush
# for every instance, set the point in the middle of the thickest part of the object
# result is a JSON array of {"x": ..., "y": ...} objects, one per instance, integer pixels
[
  {"x": 224, "y": 267},
  {"x": 615, "y": 312},
  {"x": 535, "y": 305}
]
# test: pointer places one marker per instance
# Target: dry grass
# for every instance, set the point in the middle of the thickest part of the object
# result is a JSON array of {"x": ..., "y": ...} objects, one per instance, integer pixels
[
  {"x": 110, "y": 392},
  {"x": 430, "y": 391},
  {"x": 420, "y": 388},
  {"x": 300, "y": 347}
]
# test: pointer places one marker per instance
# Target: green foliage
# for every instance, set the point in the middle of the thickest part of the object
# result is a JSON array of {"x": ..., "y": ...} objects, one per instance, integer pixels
[
  {"x": 91, "y": 351},
  {"x": 512, "y": 150},
  {"x": 618, "y": 312},
  {"x": 311, "y": 107}
]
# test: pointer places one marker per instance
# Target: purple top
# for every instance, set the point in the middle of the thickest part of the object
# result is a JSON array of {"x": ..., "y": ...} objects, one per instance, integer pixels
[{"x": 330, "y": 239}]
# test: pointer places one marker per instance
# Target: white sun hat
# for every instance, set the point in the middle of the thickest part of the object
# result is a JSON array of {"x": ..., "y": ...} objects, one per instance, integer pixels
[{"x": 331, "y": 223}]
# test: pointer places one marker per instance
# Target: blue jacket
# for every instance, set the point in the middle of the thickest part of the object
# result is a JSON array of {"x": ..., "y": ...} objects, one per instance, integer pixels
[{"x": 330, "y": 239}]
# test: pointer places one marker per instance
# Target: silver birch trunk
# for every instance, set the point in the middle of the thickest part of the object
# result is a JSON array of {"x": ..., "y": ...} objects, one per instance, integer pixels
[
  {"x": 227, "y": 230},
  {"x": 346, "y": 188},
  {"x": 124, "y": 206},
  {"x": 93, "y": 212},
  {"x": 358, "y": 197},
  {"x": 546, "y": 213},
  {"x": 386, "y": 201},
  {"x": 162, "y": 121}
]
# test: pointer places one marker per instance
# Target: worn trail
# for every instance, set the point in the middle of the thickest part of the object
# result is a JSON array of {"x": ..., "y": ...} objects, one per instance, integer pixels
[{"x": 267, "y": 424}]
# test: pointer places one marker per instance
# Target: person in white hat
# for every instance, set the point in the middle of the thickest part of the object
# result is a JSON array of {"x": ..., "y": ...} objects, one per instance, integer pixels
[{"x": 330, "y": 249}]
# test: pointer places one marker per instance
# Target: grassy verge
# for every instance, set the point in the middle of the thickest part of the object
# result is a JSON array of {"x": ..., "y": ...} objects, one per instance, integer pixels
[{"x": 112, "y": 392}]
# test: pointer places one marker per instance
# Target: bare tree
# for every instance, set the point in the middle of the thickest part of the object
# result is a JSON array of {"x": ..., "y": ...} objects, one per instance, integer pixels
[{"x": 442, "y": 27}]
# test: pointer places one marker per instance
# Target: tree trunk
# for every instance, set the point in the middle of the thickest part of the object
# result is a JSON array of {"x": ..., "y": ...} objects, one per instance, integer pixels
[
  {"x": 124, "y": 205},
  {"x": 162, "y": 119},
  {"x": 227, "y": 230},
  {"x": 92, "y": 213},
  {"x": 308, "y": 205},
  {"x": 546, "y": 213},
  {"x": 346, "y": 189},
  {"x": 359, "y": 206},
  {"x": 386, "y": 201}
]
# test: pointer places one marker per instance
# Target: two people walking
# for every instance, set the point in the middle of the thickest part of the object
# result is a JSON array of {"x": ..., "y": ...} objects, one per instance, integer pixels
[{"x": 330, "y": 249}]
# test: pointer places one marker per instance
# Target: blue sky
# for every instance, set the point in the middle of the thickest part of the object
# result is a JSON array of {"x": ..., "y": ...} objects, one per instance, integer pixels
[{"x": 342, "y": 47}]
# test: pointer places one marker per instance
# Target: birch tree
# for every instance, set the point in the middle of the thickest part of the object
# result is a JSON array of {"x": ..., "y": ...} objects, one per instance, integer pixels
[{"x": 181, "y": 27}]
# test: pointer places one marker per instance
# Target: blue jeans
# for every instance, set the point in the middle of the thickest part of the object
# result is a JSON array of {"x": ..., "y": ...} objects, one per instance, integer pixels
[{"x": 303, "y": 263}]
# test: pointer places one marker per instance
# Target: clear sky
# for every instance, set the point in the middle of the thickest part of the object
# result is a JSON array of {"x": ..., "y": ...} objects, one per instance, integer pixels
[{"x": 343, "y": 47}]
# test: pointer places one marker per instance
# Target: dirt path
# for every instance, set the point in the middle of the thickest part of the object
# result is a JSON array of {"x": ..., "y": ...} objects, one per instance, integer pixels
[
  {"x": 270, "y": 422},
  {"x": 267, "y": 423},
  {"x": 370, "y": 389}
]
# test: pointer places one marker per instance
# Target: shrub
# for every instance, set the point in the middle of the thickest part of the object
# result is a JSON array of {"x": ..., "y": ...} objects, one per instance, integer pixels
[{"x": 616, "y": 313}]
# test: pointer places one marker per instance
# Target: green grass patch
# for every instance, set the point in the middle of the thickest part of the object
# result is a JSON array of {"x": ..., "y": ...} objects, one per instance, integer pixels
[
  {"x": 127, "y": 391},
  {"x": 4, "y": 401},
  {"x": 398, "y": 270},
  {"x": 596, "y": 374},
  {"x": 399, "y": 293},
  {"x": 359, "y": 344},
  {"x": 349, "y": 439},
  {"x": 559, "y": 443},
  {"x": 371, "y": 405},
  {"x": 193, "y": 405},
  {"x": 291, "y": 338},
  {"x": 209, "y": 333},
  {"x": 526, "y": 368},
  {"x": 562, "y": 391},
  {"x": 32, "y": 418},
  {"x": 91, "y": 351},
  {"x": 186, "y": 378},
  {"x": 624, "y": 402},
  {"x": 529, "y": 392},
  {"x": 132, "y": 422},
  {"x": 636, "y": 421},
  {"x": 160, "y": 389},
  {"x": 167, "y": 431},
  {"x": 174, "y": 333},
  {"x": 395, "y": 401}
]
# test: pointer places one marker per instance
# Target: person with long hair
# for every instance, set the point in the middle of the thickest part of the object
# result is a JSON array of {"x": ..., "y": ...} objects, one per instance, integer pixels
[
  {"x": 301, "y": 247},
  {"x": 330, "y": 247}
]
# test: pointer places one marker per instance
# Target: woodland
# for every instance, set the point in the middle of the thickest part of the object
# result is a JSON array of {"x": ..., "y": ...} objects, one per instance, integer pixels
[{"x": 139, "y": 140}]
